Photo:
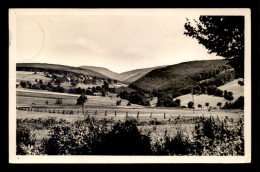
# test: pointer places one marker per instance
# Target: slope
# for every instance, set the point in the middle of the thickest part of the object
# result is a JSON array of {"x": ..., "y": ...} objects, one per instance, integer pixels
[
  {"x": 46, "y": 66},
  {"x": 201, "y": 99},
  {"x": 102, "y": 70},
  {"x": 133, "y": 75},
  {"x": 180, "y": 76}
]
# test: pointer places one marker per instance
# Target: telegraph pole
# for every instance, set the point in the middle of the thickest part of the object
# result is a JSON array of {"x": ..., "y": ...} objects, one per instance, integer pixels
[{"x": 192, "y": 99}]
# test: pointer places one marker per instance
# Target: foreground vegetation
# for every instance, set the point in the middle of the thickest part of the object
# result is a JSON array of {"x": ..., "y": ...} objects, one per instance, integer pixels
[{"x": 104, "y": 136}]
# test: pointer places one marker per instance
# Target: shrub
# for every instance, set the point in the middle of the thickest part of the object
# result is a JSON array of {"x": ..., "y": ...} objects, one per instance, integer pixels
[
  {"x": 219, "y": 104},
  {"x": 190, "y": 105},
  {"x": 93, "y": 137},
  {"x": 123, "y": 139},
  {"x": 215, "y": 137},
  {"x": 22, "y": 137},
  {"x": 118, "y": 102},
  {"x": 58, "y": 101},
  {"x": 23, "y": 84},
  {"x": 67, "y": 140},
  {"x": 228, "y": 95},
  {"x": 179, "y": 145}
]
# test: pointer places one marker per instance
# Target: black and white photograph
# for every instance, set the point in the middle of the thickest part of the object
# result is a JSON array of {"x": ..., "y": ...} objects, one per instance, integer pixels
[{"x": 129, "y": 85}]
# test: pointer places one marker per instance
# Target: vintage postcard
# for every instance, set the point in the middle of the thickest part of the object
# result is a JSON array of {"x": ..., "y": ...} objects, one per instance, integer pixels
[{"x": 129, "y": 85}]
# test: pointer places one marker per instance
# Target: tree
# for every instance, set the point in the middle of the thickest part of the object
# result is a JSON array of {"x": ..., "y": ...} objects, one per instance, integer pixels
[
  {"x": 228, "y": 95},
  {"x": 106, "y": 85},
  {"x": 178, "y": 103},
  {"x": 190, "y": 105},
  {"x": 58, "y": 101},
  {"x": 211, "y": 90},
  {"x": 82, "y": 100},
  {"x": 207, "y": 104},
  {"x": 219, "y": 93},
  {"x": 219, "y": 104},
  {"x": 118, "y": 102},
  {"x": 199, "y": 106},
  {"x": 239, "y": 103},
  {"x": 223, "y": 35},
  {"x": 23, "y": 84}
]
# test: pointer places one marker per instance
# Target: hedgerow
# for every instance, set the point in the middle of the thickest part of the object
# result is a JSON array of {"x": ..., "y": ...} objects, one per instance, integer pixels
[{"x": 210, "y": 136}]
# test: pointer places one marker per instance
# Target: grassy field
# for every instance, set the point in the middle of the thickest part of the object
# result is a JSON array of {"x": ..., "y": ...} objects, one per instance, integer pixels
[
  {"x": 49, "y": 129},
  {"x": 201, "y": 99},
  {"x": 39, "y": 98},
  {"x": 30, "y": 76}
]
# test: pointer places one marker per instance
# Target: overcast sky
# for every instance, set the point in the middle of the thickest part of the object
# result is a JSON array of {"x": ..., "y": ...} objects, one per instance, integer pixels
[{"x": 118, "y": 41}]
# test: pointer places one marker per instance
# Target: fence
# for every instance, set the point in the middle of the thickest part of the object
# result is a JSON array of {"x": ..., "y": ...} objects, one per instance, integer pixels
[{"x": 85, "y": 112}]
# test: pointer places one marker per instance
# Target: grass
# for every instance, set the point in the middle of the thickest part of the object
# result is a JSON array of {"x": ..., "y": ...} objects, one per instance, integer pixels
[
  {"x": 30, "y": 76},
  {"x": 234, "y": 87},
  {"x": 101, "y": 136},
  {"x": 201, "y": 99},
  {"x": 39, "y": 97}
]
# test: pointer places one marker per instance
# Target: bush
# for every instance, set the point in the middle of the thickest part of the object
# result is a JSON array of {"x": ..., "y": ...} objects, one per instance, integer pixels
[
  {"x": 93, "y": 137},
  {"x": 22, "y": 137},
  {"x": 58, "y": 101},
  {"x": 179, "y": 145},
  {"x": 67, "y": 140},
  {"x": 124, "y": 139},
  {"x": 190, "y": 105},
  {"x": 23, "y": 84},
  {"x": 228, "y": 95},
  {"x": 215, "y": 137},
  {"x": 118, "y": 102},
  {"x": 211, "y": 136},
  {"x": 238, "y": 104}
]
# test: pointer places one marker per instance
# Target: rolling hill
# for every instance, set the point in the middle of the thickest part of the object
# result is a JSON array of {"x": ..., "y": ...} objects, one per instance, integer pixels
[
  {"x": 46, "y": 66},
  {"x": 126, "y": 77},
  {"x": 133, "y": 75},
  {"x": 101, "y": 70},
  {"x": 179, "y": 76}
]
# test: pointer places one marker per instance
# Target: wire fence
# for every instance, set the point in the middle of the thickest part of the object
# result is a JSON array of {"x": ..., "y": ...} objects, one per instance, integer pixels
[{"x": 90, "y": 112}]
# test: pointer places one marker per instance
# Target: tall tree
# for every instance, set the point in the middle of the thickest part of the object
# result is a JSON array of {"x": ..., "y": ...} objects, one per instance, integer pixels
[
  {"x": 223, "y": 35},
  {"x": 82, "y": 100}
]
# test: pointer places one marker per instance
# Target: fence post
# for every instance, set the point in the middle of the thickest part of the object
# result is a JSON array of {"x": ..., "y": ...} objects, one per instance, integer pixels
[
  {"x": 126, "y": 114},
  {"x": 151, "y": 115},
  {"x": 115, "y": 112},
  {"x": 96, "y": 112},
  {"x": 106, "y": 113},
  {"x": 164, "y": 115},
  {"x": 138, "y": 114}
]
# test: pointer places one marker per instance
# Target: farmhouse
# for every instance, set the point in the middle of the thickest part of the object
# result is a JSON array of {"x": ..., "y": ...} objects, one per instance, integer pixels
[{"x": 97, "y": 94}]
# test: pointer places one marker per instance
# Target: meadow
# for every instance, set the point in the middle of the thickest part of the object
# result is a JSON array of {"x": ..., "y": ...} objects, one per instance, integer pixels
[{"x": 109, "y": 129}]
